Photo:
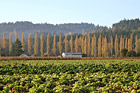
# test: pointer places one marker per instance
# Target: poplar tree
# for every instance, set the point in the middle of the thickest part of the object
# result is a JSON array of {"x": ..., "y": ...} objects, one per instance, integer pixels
[
  {"x": 41, "y": 45},
  {"x": 103, "y": 50},
  {"x": 95, "y": 51},
  {"x": 29, "y": 44},
  {"x": 139, "y": 45},
  {"x": 4, "y": 44},
  {"x": 111, "y": 46},
  {"x": 79, "y": 43},
  {"x": 99, "y": 46},
  {"x": 36, "y": 45},
  {"x": 109, "y": 50},
  {"x": 23, "y": 47},
  {"x": 130, "y": 42},
  {"x": 71, "y": 44},
  {"x": 105, "y": 47},
  {"x": 121, "y": 44},
  {"x": 54, "y": 44},
  {"x": 82, "y": 44},
  {"x": 88, "y": 45},
  {"x": 136, "y": 44},
  {"x": 15, "y": 35},
  {"x": 126, "y": 44},
  {"x": 116, "y": 46},
  {"x": 92, "y": 47},
  {"x": 76, "y": 43},
  {"x": 10, "y": 43},
  {"x": 85, "y": 45},
  {"x": 48, "y": 45},
  {"x": 66, "y": 44},
  {"x": 60, "y": 44},
  {"x": 4, "y": 41}
]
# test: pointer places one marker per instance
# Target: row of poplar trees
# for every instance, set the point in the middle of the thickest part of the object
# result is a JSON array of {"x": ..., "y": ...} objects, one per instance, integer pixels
[{"x": 92, "y": 46}]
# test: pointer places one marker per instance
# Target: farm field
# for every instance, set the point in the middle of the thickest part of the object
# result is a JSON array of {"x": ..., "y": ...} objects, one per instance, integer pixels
[{"x": 71, "y": 76}]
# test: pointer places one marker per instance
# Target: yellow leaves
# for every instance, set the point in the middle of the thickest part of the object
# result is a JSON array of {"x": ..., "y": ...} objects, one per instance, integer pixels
[
  {"x": 135, "y": 85},
  {"x": 133, "y": 91}
]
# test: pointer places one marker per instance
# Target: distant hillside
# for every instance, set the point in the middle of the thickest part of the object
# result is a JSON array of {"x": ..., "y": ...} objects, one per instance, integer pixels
[
  {"x": 128, "y": 25},
  {"x": 123, "y": 27},
  {"x": 29, "y": 27}
]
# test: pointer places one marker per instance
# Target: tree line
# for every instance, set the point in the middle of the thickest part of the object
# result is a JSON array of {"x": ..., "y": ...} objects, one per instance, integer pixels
[{"x": 89, "y": 44}]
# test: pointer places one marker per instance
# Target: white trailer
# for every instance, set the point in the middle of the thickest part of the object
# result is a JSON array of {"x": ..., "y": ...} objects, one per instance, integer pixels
[{"x": 79, "y": 54}]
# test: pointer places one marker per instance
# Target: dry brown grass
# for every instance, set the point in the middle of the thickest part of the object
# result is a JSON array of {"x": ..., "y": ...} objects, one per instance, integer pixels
[{"x": 64, "y": 58}]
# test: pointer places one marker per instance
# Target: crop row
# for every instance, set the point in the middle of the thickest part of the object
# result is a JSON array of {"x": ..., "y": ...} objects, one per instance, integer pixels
[
  {"x": 70, "y": 76},
  {"x": 71, "y": 83},
  {"x": 65, "y": 62},
  {"x": 70, "y": 68}
]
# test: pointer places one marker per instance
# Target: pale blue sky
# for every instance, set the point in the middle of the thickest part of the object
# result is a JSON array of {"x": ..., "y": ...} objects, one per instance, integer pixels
[{"x": 102, "y": 12}]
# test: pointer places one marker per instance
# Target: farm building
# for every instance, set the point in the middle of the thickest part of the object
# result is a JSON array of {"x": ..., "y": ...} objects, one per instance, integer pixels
[{"x": 79, "y": 54}]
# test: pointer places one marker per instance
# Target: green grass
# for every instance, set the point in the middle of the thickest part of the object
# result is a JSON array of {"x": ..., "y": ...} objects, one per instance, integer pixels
[{"x": 65, "y": 62}]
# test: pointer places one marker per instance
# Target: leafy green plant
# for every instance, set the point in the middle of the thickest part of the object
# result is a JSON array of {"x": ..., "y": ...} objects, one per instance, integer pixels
[{"x": 70, "y": 76}]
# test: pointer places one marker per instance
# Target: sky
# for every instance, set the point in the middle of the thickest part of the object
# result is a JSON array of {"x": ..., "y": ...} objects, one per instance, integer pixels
[{"x": 102, "y": 12}]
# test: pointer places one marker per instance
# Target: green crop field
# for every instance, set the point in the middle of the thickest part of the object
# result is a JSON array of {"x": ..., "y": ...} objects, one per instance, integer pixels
[{"x": 70, "y": 76}]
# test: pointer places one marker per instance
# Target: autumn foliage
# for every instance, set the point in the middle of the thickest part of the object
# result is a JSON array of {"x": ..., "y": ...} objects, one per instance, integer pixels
[{"x": 91, "y": 45}]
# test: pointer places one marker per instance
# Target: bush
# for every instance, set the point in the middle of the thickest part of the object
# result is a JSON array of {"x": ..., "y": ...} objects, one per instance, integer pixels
[
  {"x": 84, "y": 55},
  {"x": 138, "y": 54},
  {"x": 131, "y": 54},
  {"x": 123, "y": 52}
]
